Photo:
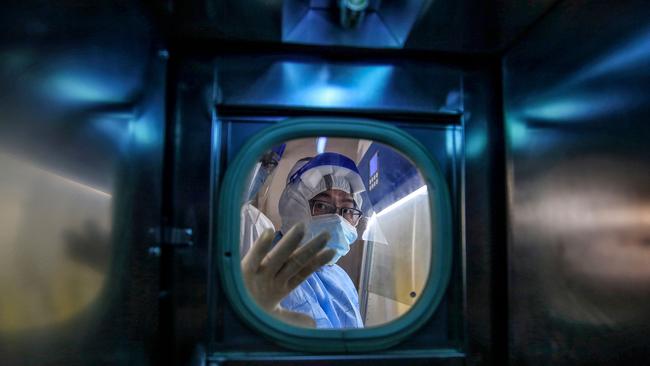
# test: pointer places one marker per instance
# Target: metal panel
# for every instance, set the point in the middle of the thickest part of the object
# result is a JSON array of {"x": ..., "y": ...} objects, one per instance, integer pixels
[
  {"x": 192, "y": 160},
  {"x": 312, "y": 82},
  {"x": 230, "y": 335},
  {"x": 318, "y": 27},
  {"x": 482, "y": 205},
  {"x": 443, "y": 25},
  {"x": 577, "y": 102},
  {"x": 80, "y": 155},
  {"x": 478, "y": 101}
]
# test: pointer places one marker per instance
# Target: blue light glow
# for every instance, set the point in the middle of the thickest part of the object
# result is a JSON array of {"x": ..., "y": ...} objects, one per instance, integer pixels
[
  {"x": 325, "y": 96},
  {"x": 141, "y": 132},
  {"x": 77, "y": 88},
  {"x": 453, "y": 102},
  {"x": 516, "y": 131},
  {"x": 476, "y": 144},
  {"x": 454, "y": 140},
  {"x": 634, "y": 53},
  {"x": 325, "y": 85},
  {"x": 125, "y": 130},
  {"x": 580, "y": 106}
]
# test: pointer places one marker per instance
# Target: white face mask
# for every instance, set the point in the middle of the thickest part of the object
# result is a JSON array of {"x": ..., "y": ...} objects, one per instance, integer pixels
[{"x": 342, "y": 233}]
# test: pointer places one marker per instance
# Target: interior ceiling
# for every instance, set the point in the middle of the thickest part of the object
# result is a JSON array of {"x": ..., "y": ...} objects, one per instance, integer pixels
[
  {"x": 77, "y": 60},
  {"x": 439, "y": 25}
]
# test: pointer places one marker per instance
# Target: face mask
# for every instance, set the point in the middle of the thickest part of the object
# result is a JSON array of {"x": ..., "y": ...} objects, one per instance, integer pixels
[
  {"x": 258, "y": 181},
  {"x": 342, "y": 233}
]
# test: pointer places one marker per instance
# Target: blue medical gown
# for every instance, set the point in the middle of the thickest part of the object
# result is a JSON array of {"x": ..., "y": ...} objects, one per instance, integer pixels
[{"x": 329, "y": 297}]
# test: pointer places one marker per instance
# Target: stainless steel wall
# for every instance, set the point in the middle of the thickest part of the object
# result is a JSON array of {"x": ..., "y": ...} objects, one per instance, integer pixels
[
  {"x": 82, "y": 96},
  {"x": 444, "y": 25},
  {"x": 81, "y": 173},
  {"x": 483, "y": 218},
  {"x": 577, "y": 105}
]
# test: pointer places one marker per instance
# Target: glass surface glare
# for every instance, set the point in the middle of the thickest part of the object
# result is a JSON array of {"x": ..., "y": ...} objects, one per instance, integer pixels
[
  {"x": 374, "y": 204},
  {"x": 54, "y": 246}
]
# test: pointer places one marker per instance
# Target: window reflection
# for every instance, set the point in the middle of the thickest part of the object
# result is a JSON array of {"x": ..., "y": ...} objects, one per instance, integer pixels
[
  {"x": 374, "y": 206},
  {"x": 54, "y": 245}
]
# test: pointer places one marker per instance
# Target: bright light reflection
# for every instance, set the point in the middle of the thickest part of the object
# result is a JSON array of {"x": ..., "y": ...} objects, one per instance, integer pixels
[
  {"x": 141, "y": 131},
  {"x": 454, "y": 140},
  {"x": 77, "y": 88},
  {"x": 420, "y": 191},
  {"x": 78, "y": 184},
  {"x": 635, "y": 52},
  {"x": 373, "y": 232},
  {"x": 582, "y": 106},
  {"x": 517, "y": 131},
  {"x": 60, "y": 177},
  {"x": 321, "y": 142},
  {"x": 325, "y": 85},
  {"x": 476, "y": 143},
  {"x": 325, "y": 96}
]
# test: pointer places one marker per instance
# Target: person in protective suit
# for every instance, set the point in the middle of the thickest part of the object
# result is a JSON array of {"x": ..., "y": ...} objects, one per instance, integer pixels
[
  {"x": 254, "y": 222},
  {"x": 293, "y": 273}
]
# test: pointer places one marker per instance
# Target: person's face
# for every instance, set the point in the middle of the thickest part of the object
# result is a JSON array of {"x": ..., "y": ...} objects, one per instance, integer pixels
[
  {"x": 269, "y": 161},
  {"x": 335, "y": 201}
]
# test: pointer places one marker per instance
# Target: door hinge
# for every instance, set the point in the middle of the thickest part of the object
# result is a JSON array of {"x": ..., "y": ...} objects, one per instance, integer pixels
[{"x": 169, "y": 236}]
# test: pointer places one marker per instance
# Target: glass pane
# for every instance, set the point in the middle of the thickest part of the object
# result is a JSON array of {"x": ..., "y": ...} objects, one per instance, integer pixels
[{"x": 371, "y": 201}]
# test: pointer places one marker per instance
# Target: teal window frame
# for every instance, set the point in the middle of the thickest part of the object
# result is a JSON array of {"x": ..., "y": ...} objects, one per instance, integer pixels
[{"x": 226, "y": 217}]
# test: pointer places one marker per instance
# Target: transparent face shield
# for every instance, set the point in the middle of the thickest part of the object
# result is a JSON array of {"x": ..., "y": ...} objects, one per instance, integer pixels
[
  {"x": 253, "y": 221},
  {"x": 261, "y": 175},
  {"x": 370, "y": 227},
  {"x": 380, "y": 214},
  {"x": 328, "y": 184},
  {"x": 396, "y": 234}
]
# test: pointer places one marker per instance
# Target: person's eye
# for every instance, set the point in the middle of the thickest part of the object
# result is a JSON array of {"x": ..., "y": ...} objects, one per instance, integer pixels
[
  {"x": 321, "y": 206},
  {"x": 346, "y": 211}
]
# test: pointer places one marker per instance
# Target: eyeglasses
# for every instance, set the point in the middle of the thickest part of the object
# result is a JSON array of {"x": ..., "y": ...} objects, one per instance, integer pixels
[
  {"x": 319, "y": 207},
  {"x": 269, "y": 161}
]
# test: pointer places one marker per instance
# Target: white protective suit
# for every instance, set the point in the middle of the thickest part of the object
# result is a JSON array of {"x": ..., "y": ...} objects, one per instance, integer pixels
[
  {"x": 328, "y": 295},
  {"x": 253, "y": 224}
]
